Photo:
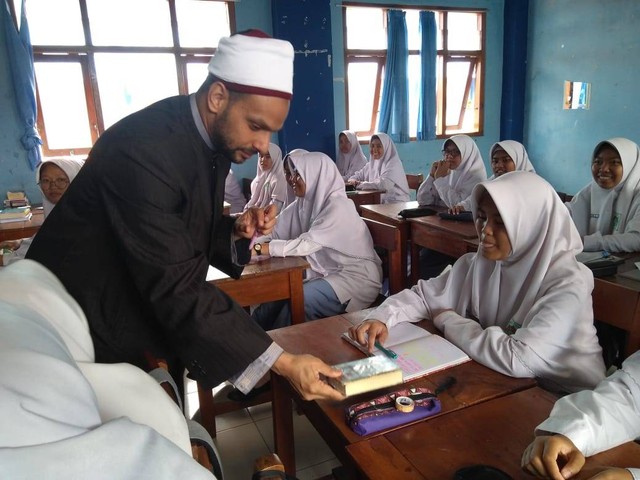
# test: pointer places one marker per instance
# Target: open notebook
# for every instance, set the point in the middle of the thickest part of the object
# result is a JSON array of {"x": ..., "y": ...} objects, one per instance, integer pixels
[{"x": 418, "y": 351}]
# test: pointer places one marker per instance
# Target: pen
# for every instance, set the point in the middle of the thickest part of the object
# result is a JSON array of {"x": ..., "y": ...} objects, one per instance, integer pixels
[{"x": 386, "y": 351}]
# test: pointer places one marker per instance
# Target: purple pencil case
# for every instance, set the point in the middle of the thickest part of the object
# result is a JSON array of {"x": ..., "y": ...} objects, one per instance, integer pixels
[{"x": 392, "y": 410}]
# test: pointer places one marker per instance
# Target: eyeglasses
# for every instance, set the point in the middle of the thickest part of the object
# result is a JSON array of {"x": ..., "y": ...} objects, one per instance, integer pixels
[
  {"x": 502, "y": 160},
  {"x": 58, "y": 182},
  {"x": 451, "y": 152}
]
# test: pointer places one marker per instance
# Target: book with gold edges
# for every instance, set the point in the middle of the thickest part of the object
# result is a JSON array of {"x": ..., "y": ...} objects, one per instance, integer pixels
[{"x": 366, "y": 374}]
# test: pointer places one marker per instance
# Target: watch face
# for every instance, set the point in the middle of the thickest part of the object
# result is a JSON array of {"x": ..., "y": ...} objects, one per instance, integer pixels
[{"x": 257, "y": 247}]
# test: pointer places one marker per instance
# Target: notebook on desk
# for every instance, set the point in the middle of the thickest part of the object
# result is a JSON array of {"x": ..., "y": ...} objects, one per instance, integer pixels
[{"x": 418, "y": 352}]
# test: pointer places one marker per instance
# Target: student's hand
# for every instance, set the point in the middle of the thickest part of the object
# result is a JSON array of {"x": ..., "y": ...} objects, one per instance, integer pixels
[
  {"x": 255, "y": 220},
  {"x": 434, "y": 167},
  {"x": 442, "y": 169},
  {"x": 456, "y": 209},
  {"x": 305, "y": 373},
  {"x": 368, "y": 332},
  {"x": 10, "y": 244},
  {"x": 355, "y": 183},
  {"x": 544, "y": 457}
]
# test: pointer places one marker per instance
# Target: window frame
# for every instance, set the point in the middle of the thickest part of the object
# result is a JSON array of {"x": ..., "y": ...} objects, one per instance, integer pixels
[
  {"x": 84, "y": 55},
  {"x": 476, "y": 58}
]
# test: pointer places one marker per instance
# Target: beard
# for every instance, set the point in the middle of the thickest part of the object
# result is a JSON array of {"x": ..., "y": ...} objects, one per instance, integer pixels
[{"x": 220, "y": 140}]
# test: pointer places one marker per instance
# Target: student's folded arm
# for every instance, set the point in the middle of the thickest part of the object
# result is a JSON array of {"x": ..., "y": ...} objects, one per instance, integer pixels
[
  {"x": 603, "y": 418},
  {"x": 427, "y": 194},
  {"x": 359, "y": 175},
  {"x": 449, "y": 195},
  {"x": 627, "y": 241},
  {"x": 371, "y": 185},
  {"x": 298, "y": 247}
]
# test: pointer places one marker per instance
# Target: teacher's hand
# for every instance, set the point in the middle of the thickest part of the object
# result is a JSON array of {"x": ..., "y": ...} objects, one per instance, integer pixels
[
  {"x": 255, "y": 221},
  {"x": 305, "y": 373}
]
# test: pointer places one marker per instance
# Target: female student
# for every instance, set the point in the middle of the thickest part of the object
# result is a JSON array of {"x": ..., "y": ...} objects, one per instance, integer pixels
[
  {"x": 452, "y": 179},
  {"x": 53, "y": 176},
  {"x": 521, "y": 305},
  {"x": 383, "y": 172},
  {"x": 350, "y": 155},
  {"x": 233, "y": 194},
  {"x": 322, "y": 226},
  {"x": 506, "y": 156},
  {"x": 586, "y": 423},
  {"x": 607, "y": 211},
  {"x": 269, "y": 185}
]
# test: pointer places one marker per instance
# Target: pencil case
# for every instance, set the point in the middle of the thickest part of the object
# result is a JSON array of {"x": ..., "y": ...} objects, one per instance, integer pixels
[
  {"x": 392, "y": 410},
  {"x": 417, "y": 212}
]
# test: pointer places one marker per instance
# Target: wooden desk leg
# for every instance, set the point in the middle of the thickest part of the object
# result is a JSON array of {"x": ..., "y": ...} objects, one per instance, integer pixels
[
  {"x": 296, "y": 297},
  {"x": 207, "y": 410},
  {"x": 283, "y": 422}
]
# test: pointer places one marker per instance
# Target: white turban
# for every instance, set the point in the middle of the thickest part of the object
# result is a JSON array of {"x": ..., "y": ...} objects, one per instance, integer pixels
[{"x": 252, "y": 62}]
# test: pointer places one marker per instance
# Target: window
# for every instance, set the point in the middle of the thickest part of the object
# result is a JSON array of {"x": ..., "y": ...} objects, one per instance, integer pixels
[
  {"x": 460, "y": 51},
  {"x": 97, "y": 61}
]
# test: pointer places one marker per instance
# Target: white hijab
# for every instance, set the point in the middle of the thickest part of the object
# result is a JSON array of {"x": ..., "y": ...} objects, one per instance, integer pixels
[
  {"x": 354, "y": 160},
  {"x": 324, "y": 215},
  {"x": 55, "y": 399},
  {"x": 471, "y": 170},
  {"x": 270, "y": 182},
  {"x": 70, "y": 166},
  {"x": 389, "y": 166},
  {"x": 518, "y": 154},
  {"x": 544, "y": 243},
  {"x": 609, "y": 208}
]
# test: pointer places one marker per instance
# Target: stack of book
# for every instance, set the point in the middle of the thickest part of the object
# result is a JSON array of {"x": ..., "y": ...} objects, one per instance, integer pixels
[
  {"x": 15, "y": 214},
  {"x": 16, "y": 199}
]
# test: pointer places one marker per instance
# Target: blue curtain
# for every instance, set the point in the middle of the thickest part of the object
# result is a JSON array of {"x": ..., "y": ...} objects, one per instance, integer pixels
[
  {"x": 428, "y": 58},
  {"x": 394, "y": 108},
  {"x": 24, "y": 81}
]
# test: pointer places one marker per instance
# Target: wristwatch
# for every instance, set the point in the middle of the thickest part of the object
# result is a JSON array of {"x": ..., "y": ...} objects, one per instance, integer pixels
[{"x": 257, "y": 248}]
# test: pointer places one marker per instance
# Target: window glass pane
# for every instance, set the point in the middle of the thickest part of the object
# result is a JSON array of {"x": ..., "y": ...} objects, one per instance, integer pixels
[
  {"x": 196, "y": 74},
  {"x": 131, "y": 81},
  {"x": 54, "y": 23},
  {"x": 414, "y": 93},
  {"x": 362, "y": 85},
  {"x": 64, "y": 106},
  {"x": 439, "y": 23},
  {"x": 470, "y": 122},
  {"x": 413, "y": 29},
  {"x": 201, "y": 24},
  {"x": 464, "y": 33},
  {"x": 365, "y": 29},
  {"x": 141, "y": 23},
  {"x": 457, "y": 73}
]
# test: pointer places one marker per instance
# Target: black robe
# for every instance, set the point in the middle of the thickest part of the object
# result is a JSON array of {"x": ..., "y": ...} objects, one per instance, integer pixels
[{"x": 132, "y": 239}]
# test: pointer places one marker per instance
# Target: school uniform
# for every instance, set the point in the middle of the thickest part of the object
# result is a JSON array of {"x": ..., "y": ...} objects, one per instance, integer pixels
[
  {"x": 323, "y": 226},
  {"x": 385, "y": 174},
  {"x": 269, "y": 184},
  {"x": 603, "y": 418},
  {"x": 352, "y": 161},
  {"x": 455, "y": 187},
  {"x": 65, "y": 416},
  {"x": 529, "y": 315},
  {"x": 609, "y": 219},
  {"x": 233, "y": 193},
  {"x": 520, "y": 158}
]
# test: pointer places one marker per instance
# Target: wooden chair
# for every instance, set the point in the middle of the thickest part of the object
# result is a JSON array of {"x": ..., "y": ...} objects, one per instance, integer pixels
[
  {"x": 414, "y": 180},
  {"x": 387, "y": 237}
]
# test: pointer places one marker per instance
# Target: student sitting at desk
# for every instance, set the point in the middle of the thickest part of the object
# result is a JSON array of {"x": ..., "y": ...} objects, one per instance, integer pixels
[
  {"x": 607, "y": 211},
  {"x": 322, "y": 226},
  {"x": 586, "y": 423},
  {"x": 521, "y": 305},
  {"x": 53, "y": 176},
  {"x": 506, "y": 156},
  {"x": 269, "y": 185},
  {"x": 351, "y": 158},
  {"x": 383, "y": 172},
  {"x": 452, "y": 179}
]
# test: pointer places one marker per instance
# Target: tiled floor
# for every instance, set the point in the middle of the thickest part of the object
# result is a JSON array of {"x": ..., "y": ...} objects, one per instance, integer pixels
[{"x": 244, "y": 435}]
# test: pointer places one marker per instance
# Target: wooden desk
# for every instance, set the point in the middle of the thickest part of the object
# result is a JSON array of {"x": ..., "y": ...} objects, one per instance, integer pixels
[
  {"x": 492, "y": 433},
  {"x": 20, "y": 229},
  {"x": 450, "y": 237},
  {"x": 616, "y": 301},
  {"x": 475, "y": 384},
  {"x": 365, "y": 197},
  {"x": 269, "y": 280},
  {"x": 388, "y": 213}
]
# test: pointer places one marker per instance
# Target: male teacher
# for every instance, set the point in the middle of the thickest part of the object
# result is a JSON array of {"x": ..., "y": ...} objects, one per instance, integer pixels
[{"x": 134, "y": 235}]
